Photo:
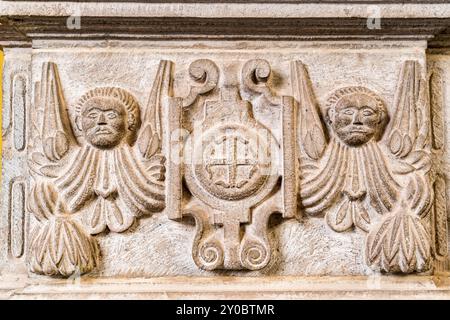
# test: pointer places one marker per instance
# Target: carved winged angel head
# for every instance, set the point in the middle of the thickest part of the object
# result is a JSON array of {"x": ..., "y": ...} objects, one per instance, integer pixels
[
  {"x": 108, "y": 116},
  {"x": 357, "y": 179},
  {"x": 356, "y": 115},
  {"x": 114, "y": 176}
]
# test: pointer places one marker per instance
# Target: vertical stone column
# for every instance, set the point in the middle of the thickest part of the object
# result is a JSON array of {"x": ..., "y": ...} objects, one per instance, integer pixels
[{"x": 15, "y": 131}]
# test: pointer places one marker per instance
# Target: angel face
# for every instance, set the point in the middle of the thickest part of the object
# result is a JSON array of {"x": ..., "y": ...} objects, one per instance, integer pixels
[
  {"x": 104, "y": 122},
  {"x": 356, "y": 119}
]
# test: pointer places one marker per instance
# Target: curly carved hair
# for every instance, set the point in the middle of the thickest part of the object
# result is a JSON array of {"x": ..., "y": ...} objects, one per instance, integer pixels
[
  {"x": 122, "y": 96},
  {"x": 334, "y": 99}
]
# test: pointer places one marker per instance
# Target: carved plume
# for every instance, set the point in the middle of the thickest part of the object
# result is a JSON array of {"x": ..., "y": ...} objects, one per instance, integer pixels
[
  {"x": 57, "y": 135},
  {"x": 150, "y": 137},
  {"x": 410, "y": 127},
  {"x": 61, "y": 247},
  {"x": 399, "y": 243},
  {"x": 310, "y": 132}
]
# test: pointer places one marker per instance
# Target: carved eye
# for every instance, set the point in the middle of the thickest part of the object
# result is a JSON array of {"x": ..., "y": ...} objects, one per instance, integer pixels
[
  {"x": 111, "y": 114},
  {"x": 368, "y": 112},
  {"x": 348, "y": 112},
  {"x": 93, "y": 114}
]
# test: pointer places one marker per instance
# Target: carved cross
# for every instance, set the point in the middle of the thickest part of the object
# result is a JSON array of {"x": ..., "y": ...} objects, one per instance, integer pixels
[{"x": 232, "y": 161}]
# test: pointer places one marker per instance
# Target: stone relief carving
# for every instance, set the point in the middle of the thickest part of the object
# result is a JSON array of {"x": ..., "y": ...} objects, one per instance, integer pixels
[
  {"x": 15, "y": 129},
  {"x": 231, "y": 168},
  {"x": 107, "y": 168},
  {"x": 360, "y": 176},
  {"x": 99, "y": 165}
]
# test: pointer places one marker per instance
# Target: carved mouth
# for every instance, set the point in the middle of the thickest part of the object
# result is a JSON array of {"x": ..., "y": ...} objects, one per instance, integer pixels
[
  {"x": 101, "y": 131},
  {"x": 357, "y": 130}
]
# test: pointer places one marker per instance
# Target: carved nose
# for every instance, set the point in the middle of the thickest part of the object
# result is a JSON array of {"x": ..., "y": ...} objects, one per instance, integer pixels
[
  {"x": 357, "y": 119},
  {"x": 101, "y": 119}
]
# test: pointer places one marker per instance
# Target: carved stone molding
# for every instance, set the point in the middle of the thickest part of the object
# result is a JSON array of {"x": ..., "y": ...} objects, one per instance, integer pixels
[{"x": 22, "y": 22}]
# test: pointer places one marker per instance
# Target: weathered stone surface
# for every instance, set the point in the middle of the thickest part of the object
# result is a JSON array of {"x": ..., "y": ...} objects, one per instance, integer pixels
[{"x": 208, "y": 158}]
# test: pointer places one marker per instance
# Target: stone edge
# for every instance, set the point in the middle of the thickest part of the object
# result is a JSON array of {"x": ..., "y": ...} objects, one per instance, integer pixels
[{"x": 372, "y": 287}]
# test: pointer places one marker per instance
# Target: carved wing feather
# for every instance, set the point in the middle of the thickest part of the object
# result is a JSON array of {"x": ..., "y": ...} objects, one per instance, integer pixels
[
  {"x": 409, "y": 131},
  {"x": 399, "y": 243},
  {"x": 57, "y": 135},
  {"x": 150, "y": 136},
  {"x": 310, "y": 133}
]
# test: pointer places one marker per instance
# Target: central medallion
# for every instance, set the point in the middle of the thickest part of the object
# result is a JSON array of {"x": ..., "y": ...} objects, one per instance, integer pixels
[
  {"x": 229, "y": 157},
  {"x": 235, "y": 162},
  {"x": 237, "y": 169}
]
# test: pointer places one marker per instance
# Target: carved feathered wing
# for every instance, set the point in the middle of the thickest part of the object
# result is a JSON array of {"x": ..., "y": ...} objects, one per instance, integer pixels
[
  {"x": 150, "y": 136},
  {"x": 409, "y": 135},
  {"x": 310, "y": 132},
  {"x": 57, "y": 135},
  {"x": 58, "y": 245},
  {"x": 400, "y": 242}
]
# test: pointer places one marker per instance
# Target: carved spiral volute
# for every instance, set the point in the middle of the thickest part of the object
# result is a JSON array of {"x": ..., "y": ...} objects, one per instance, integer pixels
[
  {"x": 255, "y": 254},
  {"x": 210, "y": 254}
]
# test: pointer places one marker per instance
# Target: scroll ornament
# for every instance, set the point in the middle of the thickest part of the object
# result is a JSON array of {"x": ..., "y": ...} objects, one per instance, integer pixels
[{"x": 231, "y": 167}]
